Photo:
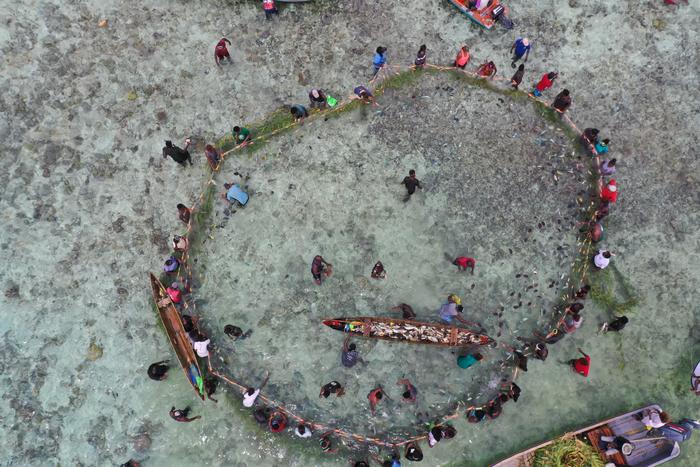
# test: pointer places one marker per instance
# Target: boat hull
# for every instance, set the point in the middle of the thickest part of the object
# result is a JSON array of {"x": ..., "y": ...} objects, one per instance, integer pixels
[
  {"x": 177, "y": 336},
  {"x": 402, "y": 330},
  {"x": 483, "y": 18},
  {"x": 649, "y": 453}
]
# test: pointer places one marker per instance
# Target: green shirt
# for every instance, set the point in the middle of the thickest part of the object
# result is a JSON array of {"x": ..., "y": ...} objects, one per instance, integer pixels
[
  {"x": 467, "y": 361},
  {"x": 242, "y": 135}
]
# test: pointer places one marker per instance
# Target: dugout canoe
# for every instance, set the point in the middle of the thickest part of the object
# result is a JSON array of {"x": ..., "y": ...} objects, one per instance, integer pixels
[
  {"x": 403, "y": 330},
  {"x": 647, "y": 451},
  {"x": 483, "y": 18},
  {"x": 177, "y": 336}
]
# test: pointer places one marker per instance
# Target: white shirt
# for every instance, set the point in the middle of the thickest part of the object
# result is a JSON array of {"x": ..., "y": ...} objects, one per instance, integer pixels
[
  {"x": 249, "y": 400},
  {"x": 651, "y": 418},
  {"x": 201, "y": 348},
  {"x": 601, "y": 261},
  {"x": 306, "y": 434}
]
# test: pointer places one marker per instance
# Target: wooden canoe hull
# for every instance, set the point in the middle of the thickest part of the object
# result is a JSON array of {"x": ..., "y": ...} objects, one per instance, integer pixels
[
  {"x": 650, "y": 453},
  {"x": 403, "y": 330},
  {"x": 177, "y": 336},
  {"x": 483, "y": 18}
]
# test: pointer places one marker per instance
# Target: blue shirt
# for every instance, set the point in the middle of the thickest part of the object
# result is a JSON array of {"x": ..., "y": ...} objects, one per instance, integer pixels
[
  {"x": 379, "y": 60},
  {"x": 349, "y": 358},
  {"x": 466, "y": 361},
  {"x": 601, "y": 148},
  {"x": 520, "y": 47},
  {"x": 448, "y": 311},
  {"x": 358, "y": 90},
  {"x": 236, "y": 193}
]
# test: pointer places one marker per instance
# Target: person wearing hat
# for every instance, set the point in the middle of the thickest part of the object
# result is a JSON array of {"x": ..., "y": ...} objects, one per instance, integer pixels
[
  {"x": 609, "y": 192},
  {"x": 521, "y": 47}
]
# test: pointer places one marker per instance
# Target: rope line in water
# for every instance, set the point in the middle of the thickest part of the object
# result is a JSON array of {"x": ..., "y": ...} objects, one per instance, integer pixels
[{"x": 382, "y": 75}]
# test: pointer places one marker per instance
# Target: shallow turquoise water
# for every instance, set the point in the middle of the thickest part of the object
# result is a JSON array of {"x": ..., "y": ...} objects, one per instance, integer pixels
[{"x": 87, "y": 208}]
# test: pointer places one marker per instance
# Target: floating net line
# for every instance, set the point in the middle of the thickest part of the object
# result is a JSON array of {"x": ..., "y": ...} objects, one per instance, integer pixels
[{"x": 577, "y": 276}]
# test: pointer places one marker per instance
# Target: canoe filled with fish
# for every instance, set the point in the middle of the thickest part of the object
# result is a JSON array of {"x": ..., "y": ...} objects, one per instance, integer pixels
[{"x": 402, "y": 330}]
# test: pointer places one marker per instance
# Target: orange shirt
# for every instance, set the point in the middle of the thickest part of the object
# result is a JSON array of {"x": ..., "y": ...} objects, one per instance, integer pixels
[{"x": 462, "y": 58}]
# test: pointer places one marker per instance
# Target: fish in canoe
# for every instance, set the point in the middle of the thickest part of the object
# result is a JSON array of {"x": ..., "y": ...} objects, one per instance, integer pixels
[
  {"x": 402, "y": 330},
  {"x": 637, "y": 445},
  {"x": 177, "y": 336}
]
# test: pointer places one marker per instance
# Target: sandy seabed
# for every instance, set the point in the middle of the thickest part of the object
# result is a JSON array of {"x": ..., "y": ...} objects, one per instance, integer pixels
[{"x": 88, "y": 206}]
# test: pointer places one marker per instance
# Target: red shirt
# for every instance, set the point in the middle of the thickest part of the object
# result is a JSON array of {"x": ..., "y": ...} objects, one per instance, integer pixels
[
  {"x": 462, "y": 58},
  {"x": 174, "y": 294},
  {"x": 607, "y": 195},
  {"x": 582, "y": 365},
  {"x": 544, "y": 83},
  {"x": 465, "y": 262},
  {"x": 221, "y": 51},
  {"x": 268, "y": 4}
]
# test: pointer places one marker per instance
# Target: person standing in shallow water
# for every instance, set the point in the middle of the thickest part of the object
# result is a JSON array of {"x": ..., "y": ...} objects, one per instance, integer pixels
[
  {"x": 320, "y": 268},
  {"x": 350, "y": 355},
  {"x": 487, "y": 70},
  {"x": 333, "y": 387},
  {"x": 581, "y": 365},
  {"x": 521, "y": 47},
  {"x": 410, "y": 392},
  {"x": 379, "y": 60},
  {"x": 299, "y": 113},
  {"x": 179, "y": 155},
  {"x": 374, "y": 396},
  {"x": 378, "y": 271},
  {"x": 210, "y": 384},
  {"x": 616, "y": 325},
  {"x": 158, "y": 371},
  {"x": 181, "y": 415},
  {"x": 413, "y": 452},
  {"x": 405, "y": 309},
  {"x": 184, "y": 213},
  {"x": 545, "y": 83},
  {"x": 562, "y": 102},
  {"x": 421, "y": 57},
  {"x": 269, "y": 8},
  {"x": 411, "y": 183},
  {"x": 236, "y": 333},
  {"x": 518, "y": 77},
  {"x": 602, "y": 259},
  {"x": 463, "y": 263},
  {"x": 221, "y": 51},
  {"x": 462, "y": 58}
]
